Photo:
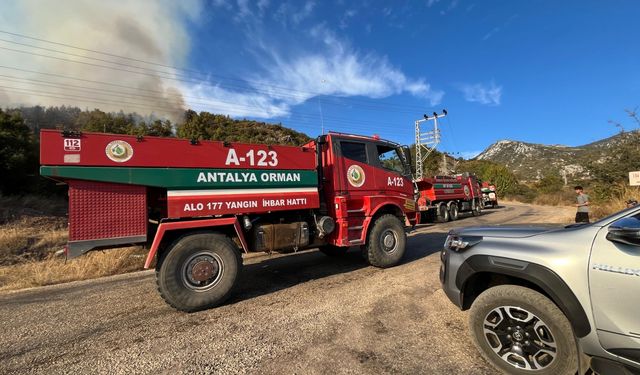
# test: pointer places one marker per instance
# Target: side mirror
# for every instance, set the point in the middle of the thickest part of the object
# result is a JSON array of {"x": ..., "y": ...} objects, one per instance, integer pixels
[
  {"x": 625, "y": 231},
  {"x": 407, "y": 157}
]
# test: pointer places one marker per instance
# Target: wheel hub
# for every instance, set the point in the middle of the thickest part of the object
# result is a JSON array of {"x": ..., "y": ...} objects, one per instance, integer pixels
[
  {"x": 389, "y": 241},
  {"x": 520, "y": 338},
  {"x": 202, "y": 271}
]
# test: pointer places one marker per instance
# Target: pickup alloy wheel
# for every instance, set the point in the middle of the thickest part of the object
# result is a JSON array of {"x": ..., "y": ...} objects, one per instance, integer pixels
[{"x": 520, "y": 331}]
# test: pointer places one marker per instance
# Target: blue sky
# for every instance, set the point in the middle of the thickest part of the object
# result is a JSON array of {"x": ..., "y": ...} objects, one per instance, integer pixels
[{"x": 538, "y": 71}]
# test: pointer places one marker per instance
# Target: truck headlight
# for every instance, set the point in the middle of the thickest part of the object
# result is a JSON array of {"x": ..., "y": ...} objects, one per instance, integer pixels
[{"x": 460, "y": 243}]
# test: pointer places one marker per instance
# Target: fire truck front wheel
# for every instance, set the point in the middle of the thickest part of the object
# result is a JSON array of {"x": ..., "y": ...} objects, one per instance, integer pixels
[
  {"x": 386, "y": 243},
  {"x": 198, "y": 271}
]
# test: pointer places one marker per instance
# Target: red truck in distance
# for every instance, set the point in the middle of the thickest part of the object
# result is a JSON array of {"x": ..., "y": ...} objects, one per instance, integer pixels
[
  {"x": 442, "y": 198},
  {"x": 199, "y": 205},
  {"x": 489, "y": 194}
]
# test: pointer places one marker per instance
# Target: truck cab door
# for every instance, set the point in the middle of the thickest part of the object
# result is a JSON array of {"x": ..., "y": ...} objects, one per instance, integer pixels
[
  {"x": 614, "y": 282},
  {"x": 393, "y": 175},
  {"x": 354, "y": 181}
]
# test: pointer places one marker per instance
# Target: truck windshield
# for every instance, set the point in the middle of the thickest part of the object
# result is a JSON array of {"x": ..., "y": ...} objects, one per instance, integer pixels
[{"x": 390, "y": 158}]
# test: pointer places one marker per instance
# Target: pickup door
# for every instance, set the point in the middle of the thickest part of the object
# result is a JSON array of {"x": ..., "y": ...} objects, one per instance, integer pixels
[{"x": 614, "y": 280}]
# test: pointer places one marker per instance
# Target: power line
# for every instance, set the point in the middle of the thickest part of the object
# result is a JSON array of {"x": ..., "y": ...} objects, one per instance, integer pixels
[
  {"x": 270, "y": 92},
  {"x": 231, "y": 106},
  {"x": 90, "y": 50},
  {"x": 339, "y": 127},
  {"x": 76, "y": 98},
  {"x": 110, "y": 67}
]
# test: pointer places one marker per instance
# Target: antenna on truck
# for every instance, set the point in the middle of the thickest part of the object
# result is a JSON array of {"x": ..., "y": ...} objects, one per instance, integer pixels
[{"x": 426, "y": 141}]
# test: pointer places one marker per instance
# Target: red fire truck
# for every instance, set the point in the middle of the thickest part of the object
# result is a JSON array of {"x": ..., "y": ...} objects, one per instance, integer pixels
[
  {"x": 198, "y": 204},
  {"x": 442, "y": 198}
]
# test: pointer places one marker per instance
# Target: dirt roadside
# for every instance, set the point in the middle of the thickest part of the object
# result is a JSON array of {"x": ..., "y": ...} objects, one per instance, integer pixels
[{"x": 302, "y": 313}]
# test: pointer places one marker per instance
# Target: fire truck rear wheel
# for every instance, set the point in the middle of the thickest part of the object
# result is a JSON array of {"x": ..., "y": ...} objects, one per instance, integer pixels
[
  {"x": 453, "y": 212},
  {"x": 386, "y": 242},
  {"x": 198, "y": 271},
  {"x": 476, "y": 209},
  {"x": 443, "y": 213}
]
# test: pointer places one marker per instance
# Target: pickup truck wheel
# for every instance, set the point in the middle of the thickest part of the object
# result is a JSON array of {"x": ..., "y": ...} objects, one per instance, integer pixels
[
  {"x": 386, "y": 242},
  {"x": 198, "y": 271},
  {"x": 453, "y": 212},
  {"x": 333, "y": 251},
  {"x": 520, "y": 331}
]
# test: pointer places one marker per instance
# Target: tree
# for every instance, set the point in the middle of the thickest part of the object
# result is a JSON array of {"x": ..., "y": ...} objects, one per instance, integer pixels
[
  {"x": 622, "y": 158},
  {"x": 550, "y": 183},
  {"x": 17, "y": 153},
  {"x": 503, "y": 179}
]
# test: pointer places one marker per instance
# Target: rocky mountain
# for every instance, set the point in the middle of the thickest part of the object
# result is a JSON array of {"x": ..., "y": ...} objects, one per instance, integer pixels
[{"x": 531, "y": 161}]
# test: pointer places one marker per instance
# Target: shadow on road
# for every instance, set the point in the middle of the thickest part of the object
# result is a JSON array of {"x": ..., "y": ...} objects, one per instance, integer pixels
[{"x": 282, "y": 272}]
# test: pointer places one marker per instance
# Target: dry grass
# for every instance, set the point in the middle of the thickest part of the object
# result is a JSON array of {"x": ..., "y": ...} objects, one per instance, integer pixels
[
  {"x": 32, "y": 230},
  {"x": 617, "y": 203},
  {"x": 55, "y": 270},
  {"x": 599, "y": 209},
  {"x": 31, "y": 238},
  {"x": 560, "y": 198}
]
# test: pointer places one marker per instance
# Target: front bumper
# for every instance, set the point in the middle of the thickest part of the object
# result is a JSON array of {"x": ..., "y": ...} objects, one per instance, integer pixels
[{"x": 448, "y": 281}]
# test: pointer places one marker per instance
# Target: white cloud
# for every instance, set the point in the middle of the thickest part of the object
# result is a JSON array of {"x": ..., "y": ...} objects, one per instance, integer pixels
[
  {"x": 263, "y": 4},
  {"x": 344, "y": 21},
  {"x": 488, "y": 94},
  {"x": 493, "y": 31},
  {"x": 289, "y": 79},
  {"x": 304, "y": 12},
  {"x": 213, "y": 98}
]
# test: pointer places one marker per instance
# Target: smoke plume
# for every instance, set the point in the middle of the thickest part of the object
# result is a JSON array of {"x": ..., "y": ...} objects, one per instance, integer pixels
[{"x": 57, "y": 74}]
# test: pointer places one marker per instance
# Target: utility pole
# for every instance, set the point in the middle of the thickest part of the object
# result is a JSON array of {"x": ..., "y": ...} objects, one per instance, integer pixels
[
  {"x": 320, "y": 106},
  {"x": 426, "y": 141}
]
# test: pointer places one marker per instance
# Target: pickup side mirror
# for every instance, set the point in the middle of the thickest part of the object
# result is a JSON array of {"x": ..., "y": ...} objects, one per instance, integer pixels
[{"x": 625, "y": 231}]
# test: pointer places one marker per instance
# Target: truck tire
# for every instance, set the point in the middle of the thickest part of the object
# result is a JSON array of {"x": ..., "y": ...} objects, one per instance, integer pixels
[
  {"x": 198, "y": 271},
  {"x": 386, "y": 242},
  {"x": 453, "y": 212},
  {"x": 520, "y": 331},
  {"x": 443, "y": 213},
  {"x": 476, "y": 208},
  {"x": 333, "y": 251}
]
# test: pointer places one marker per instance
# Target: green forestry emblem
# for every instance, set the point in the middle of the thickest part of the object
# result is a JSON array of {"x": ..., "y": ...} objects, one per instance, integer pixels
[
  {"x": 355, "y": 175},
  {"x": 119, "y": 151}
]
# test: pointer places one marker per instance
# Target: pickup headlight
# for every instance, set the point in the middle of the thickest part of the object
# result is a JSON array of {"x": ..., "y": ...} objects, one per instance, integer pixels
[{"x": 460, "y": 243}]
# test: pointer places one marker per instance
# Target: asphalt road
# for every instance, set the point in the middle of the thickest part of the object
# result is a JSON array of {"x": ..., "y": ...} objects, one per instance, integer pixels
[{"x": 301, "y": 313}]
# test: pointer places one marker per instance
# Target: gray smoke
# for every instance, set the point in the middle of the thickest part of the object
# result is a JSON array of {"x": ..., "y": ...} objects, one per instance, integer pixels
[{"x": 145, "y": 30}]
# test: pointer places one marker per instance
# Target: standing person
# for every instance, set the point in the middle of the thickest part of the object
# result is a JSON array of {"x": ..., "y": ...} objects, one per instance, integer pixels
[{"x": 582, "y": 216}]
